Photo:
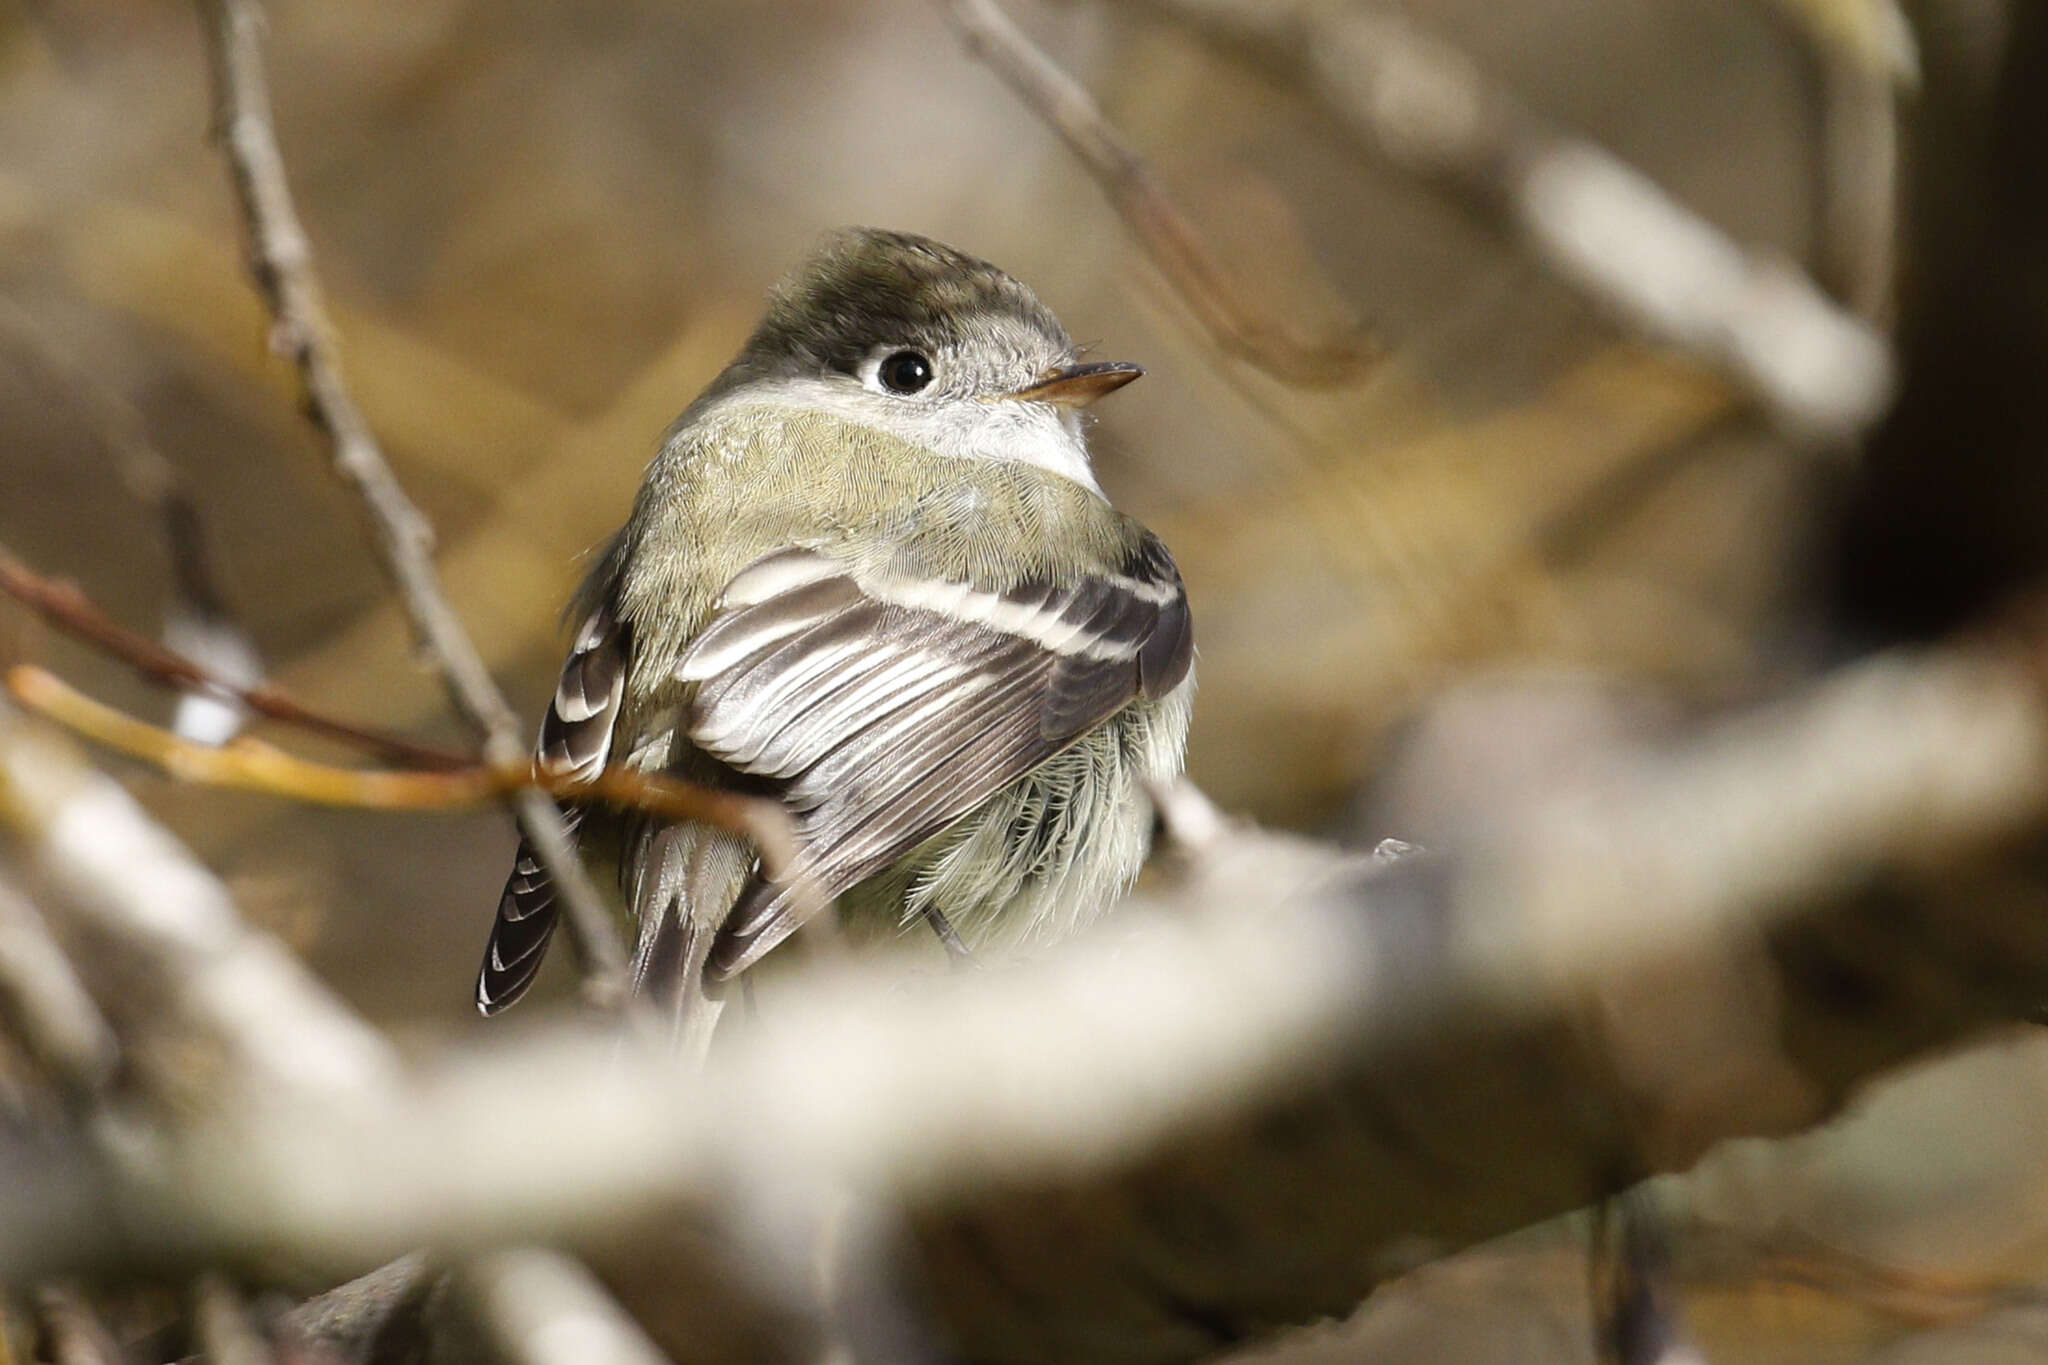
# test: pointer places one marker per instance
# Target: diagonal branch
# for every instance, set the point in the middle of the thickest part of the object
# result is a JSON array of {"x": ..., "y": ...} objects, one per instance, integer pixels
[
  {"x": 194, "y": 982},
  {"x": 281, "y": 259},
  {"x": 1103, "y": 1164},
  {"x": 66, "y": 607},
  {"x": 1597, "y": 222},
  {"x": 47, "y": 1007},
  {"x": 1173, "y": 242}
]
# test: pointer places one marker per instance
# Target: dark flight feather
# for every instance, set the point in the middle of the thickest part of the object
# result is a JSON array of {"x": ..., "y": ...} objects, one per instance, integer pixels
[{"x": 575, "y": 741}]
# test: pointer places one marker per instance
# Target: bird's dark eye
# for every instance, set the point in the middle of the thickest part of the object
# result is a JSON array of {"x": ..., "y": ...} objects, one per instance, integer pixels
[{"x": 905, "y": 372}]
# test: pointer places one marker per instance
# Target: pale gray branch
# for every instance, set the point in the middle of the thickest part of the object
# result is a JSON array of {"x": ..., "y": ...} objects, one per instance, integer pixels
[
  {"x": 1287, "y": 1019},
  {"x": 127, "y": 882},
  {"x": 290, "y": 1046},
  {"x": 225, "y": 1330},
  {"x": 77, "y": 1336},
  {"x": 540, "y": 1307},
  {"x": 1599, "y": 223}
]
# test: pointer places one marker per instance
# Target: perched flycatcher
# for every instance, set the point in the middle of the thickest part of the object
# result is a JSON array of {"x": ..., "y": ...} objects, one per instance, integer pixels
[{"x": 870, "y": 573}]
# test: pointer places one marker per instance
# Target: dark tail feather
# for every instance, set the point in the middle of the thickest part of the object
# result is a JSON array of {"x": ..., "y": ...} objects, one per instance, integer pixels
[
  {"x": 519, "y": 938},
  {"x": 686, "y": 878},
  {"x": 757, "y": 915}
]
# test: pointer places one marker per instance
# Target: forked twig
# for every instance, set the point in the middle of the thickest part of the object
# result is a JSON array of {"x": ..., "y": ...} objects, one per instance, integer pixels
[{"x": 65, "y": 606}]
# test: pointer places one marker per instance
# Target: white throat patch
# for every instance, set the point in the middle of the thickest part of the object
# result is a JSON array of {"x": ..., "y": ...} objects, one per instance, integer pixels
[{"x": 1037, "y": 434}]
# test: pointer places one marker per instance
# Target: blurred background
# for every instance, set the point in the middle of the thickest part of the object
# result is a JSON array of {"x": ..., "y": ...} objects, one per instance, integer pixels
[{"x": 545, "y": 226}]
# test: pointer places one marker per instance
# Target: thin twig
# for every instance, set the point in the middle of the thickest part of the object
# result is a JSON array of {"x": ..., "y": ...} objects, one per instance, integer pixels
[
  {"x": 1598, "y": 223},
  {"x": 65, "y": 606},
  {"x": 1873, "y": 35},
  {"x": 281, "y": 259},
  {"x": 252, "y": 766},
  {"x": 1173, "y": 242},
  {"x": 118, "y": 426},
  {"x": 1858, "y": 182},
  {"x": 198, "y": 617}
]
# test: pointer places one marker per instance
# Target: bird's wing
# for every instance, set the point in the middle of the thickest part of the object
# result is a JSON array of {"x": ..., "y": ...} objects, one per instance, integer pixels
[
  {"x": 886, "y": 706},
  {"x": 575, "y": 742}
]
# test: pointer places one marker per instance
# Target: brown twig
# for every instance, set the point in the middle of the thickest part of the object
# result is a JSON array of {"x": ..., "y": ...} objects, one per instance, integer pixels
[
  {"x": 198, "y": 614},
  {"x": 67, "y": 608},
  {"x": 252, "y": 766},
  {"x": 1173, "y": 242},
  {"x": 281, "y": 260}
]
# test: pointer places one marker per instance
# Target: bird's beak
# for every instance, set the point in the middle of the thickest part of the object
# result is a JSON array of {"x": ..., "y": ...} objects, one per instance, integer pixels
[{"x": 1076, "y": 386}]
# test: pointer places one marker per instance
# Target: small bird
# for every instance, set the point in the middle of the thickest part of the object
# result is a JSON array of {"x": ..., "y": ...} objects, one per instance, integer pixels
[{"x": 870, "y": 573}]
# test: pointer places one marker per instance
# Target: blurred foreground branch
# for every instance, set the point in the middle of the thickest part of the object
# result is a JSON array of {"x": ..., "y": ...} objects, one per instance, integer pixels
[
  {"x": 1100, "y": 1156},
  {"x": 284, "y": 1043},
  {"x": 43, "y": 1003},
  {"x": 1597, "y": 222},
  {"x": 282, "y": 260},
  {"x": 135, "y": 893}
]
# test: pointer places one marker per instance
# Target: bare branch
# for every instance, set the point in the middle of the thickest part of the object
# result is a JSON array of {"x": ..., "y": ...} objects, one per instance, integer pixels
[
  {"x": 282, "y": 261},
  {"x": 1872, "y": 35},
  {"x": 1172, "y": 242},
  {"x": 1597, "y": 222},
  {"x": 453, "y": 782},
  {"x": 1858, "y": 154},
  {"x": 197, "y": 619},
  {"x": 1336, "y": 968},
  {"x": 67, "y": 608},
  {"x": 119, "y": 874},
  {"x": 247, "y": 765}
]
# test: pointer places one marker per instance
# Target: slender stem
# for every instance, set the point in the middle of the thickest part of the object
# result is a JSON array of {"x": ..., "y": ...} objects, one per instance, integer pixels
[
  {"x": 67, "y": 608},
  {"x": 281, "y": 259},
  {"x": 1172, "y": 241}
]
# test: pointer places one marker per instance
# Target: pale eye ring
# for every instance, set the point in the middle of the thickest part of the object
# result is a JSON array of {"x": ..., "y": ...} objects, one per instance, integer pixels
[{"x": 905, "y": 372}]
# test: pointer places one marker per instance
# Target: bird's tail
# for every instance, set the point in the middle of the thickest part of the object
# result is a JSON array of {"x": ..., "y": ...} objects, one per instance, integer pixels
[
  {"x": 685, "y": 880},
  {"x": 519, "y": 936}
]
